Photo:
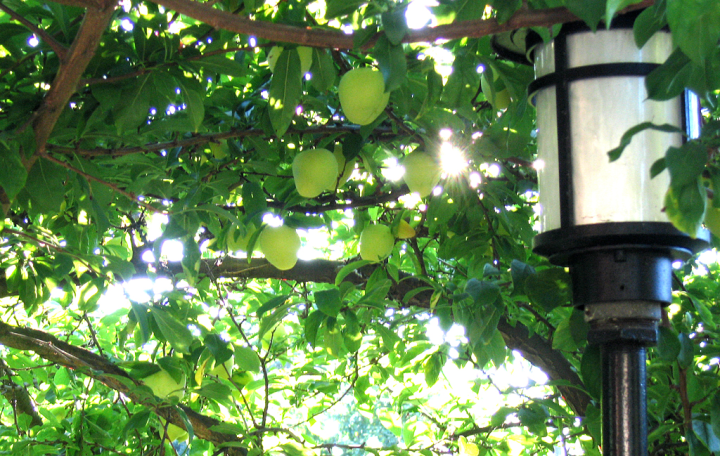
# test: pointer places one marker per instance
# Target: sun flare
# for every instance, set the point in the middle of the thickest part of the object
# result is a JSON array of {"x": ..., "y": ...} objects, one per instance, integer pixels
[{"x": 452, "y": 159}]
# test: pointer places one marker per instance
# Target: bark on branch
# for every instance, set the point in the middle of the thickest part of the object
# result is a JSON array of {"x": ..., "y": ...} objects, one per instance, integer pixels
[
  {"x": 17, "y": 395},
  {"x": 332, "y": 38},
  {"x": 536, "y": 349},
  {"x": 83, "y": 48},
  {"x": 54, "y": 350}
]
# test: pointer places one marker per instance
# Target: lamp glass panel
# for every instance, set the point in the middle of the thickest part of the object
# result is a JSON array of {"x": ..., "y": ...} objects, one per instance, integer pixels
[
  {"x": 548, "y": 207},
  {"x": 616, "y": 46},
  {"x": 622, "y": 191},
  {"x": 602, "y": 109}
]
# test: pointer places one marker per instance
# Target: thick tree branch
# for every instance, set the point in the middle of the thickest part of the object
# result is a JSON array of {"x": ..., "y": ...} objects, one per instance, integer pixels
[
  {"x": 53, "y": 349},
  {"x": 71, "y": 69},
  {"x": 536, "y": 349},
  {"x": 17, "y": 395},
  {"x": 338, "y": 40}
]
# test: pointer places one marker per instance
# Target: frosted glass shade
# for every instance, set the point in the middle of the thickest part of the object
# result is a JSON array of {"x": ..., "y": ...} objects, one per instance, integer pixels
[{"x": 601, "y": 110}]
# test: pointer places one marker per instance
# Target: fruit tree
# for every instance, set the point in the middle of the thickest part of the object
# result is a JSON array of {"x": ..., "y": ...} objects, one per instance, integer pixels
[{"x": 168, "y": 286}]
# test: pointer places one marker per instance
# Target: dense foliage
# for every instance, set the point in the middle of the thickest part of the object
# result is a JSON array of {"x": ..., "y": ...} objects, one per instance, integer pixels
[{"x": 145, "y": 143}]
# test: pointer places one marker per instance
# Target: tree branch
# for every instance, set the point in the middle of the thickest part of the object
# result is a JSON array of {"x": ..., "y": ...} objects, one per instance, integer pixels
[
  {"x": 339, "y": 40},
  {"x": 536, "y": 349},
  {"x": 59, "y": 49},
  {"x": 97, "y": 367},
  {"x": 202, "y": 139},
  {"x": 131, "y": 196},
  {"x": 18, "y": 396},
  {"x": 71, "y": 69}
]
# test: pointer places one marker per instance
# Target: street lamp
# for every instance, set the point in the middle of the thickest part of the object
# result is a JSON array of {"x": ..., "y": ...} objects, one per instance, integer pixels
[{"x": 605, "y": 220}]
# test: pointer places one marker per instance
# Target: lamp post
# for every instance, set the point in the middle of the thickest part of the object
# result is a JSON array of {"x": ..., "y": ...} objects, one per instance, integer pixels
[{"x": 603, "y": 220}]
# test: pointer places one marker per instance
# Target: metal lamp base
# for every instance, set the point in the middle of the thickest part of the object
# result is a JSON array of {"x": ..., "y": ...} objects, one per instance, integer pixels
[
  {"x": 620, "y": 262},
  {"x": 622, "y": 276}
]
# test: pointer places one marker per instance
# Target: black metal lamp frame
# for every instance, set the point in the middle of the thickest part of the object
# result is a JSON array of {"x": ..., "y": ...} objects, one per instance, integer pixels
[{"x": 621, "y": 272}]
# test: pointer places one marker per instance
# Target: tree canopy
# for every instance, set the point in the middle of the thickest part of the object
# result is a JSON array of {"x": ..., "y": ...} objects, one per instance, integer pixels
[{"x": 148, "y": 153}]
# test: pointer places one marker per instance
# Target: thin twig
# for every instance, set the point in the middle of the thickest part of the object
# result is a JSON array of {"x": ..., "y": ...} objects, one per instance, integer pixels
[
  {"x": 201, "y": 139},
  {"x": 50, "y": 245},
  {"x": 115, "y": 188},
  {"x": 149, "y": 68},
  {"x": 55, "y": 45}
]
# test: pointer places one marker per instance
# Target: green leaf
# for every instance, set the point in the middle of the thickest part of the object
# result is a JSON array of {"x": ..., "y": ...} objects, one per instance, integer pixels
[
  {"x": 335, "y": 8},
  {"x": 177, "y": 334},
  {"x": 715, "y": 412},
  {"x": 483, "y": 293},
  {"x": 271, "y": 304},
  {"x": 687, "y": 351},
  {"x": 247, "y": 359},
  {"x": 463, "y": 82},
  {"x": 394, "y": 25},
  {"x": 253, "y": 198},
  {"x": 140, "y": 312},
  {"x": 349, "y": 268},
  {"x": 194, "y": 99},
  {"x": 593, "y": 420},
  {"x": 628, "y": 136},
  {"x": 497, "y": 349},
  {"x": 191, "y": 259},
  {"x": 218, "y": 348},
  {"x": 548, "y": 288},
  {"x": 312, "y": 325},
  {"x": 392, "y": 62},
  {"x": 432, "y": 368},
  {"x": 695, "y": 446},
  {"x": 590, "y": 11},
  {"x": 269, "y": 322},
  {"x": 135, "y": 106},
  {"x": 695, "y": 27},
  {"x": 138, "y": 420},
  {"x": 46, "y": 186},
  {"x": 216, "y": 391},
  {"x": 669, "y": 79},
  {"x": 333, "y": 340},
  {"x": 668, "y": 344},
  {"x": 590, "y": 371},
  {"x": 352, "y": 334},
  {"x": 285, "y": 91},
  {"x": 470, "y": 9},
  {"x": 323, "y": 70},
  {"x": 563, "y": 338},
  {"x": 328, "y": 301},
  {"x": 704, "y": 432},
  {"x": 686, "y": 163},
  {"x": 685, "y": 207},
  {"x": 659, "y": 166},
  {"x": 703, "y": 311},
  {"x": 650, "y": 21},
  {"x": 578, "y": 326},
  {"x": 504, "y": 9},
  {"x": 520, "y": 272},
  {"x": 221, "y": 64},
  {"x": 12, "y": 172},
  {"x": 613, "y": 6}
]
